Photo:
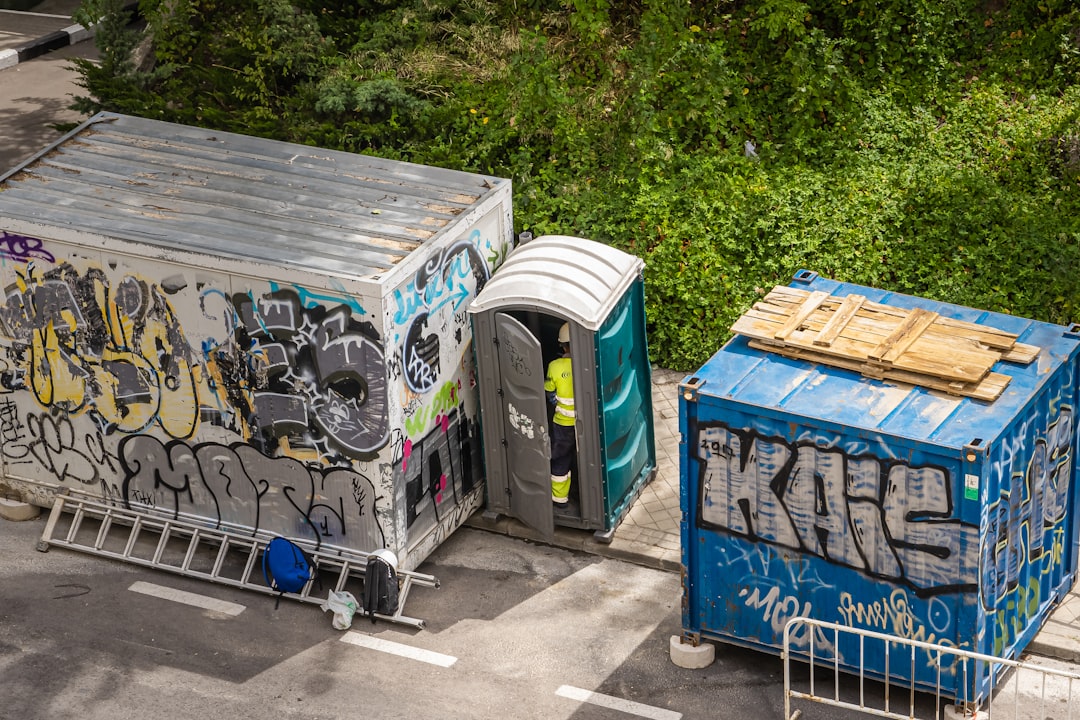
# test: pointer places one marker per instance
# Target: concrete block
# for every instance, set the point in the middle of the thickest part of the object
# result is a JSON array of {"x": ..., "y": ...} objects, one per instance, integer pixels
[
  {"x": 15, "y": 510},
  {"x": 952, "y": 712},
  {"x": 687, "y": 656}
]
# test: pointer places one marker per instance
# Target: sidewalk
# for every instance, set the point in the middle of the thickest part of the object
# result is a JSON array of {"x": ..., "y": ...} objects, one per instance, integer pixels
[{"x": 36, "y": 94}]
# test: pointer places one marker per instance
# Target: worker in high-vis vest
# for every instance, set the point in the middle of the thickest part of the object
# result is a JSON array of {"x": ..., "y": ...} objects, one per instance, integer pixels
[{"x": 559, "y": 385}]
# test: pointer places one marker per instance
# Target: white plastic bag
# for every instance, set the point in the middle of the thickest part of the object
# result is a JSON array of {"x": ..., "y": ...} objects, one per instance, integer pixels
[{"x": 344, "y": 606}]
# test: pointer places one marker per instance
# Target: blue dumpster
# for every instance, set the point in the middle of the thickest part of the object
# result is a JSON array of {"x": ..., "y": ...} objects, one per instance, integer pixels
[{"x": 845, "y": 485}]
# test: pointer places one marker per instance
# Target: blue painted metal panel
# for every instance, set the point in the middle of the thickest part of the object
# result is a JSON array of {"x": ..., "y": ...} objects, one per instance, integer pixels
[{"x": 810, "y": 490}]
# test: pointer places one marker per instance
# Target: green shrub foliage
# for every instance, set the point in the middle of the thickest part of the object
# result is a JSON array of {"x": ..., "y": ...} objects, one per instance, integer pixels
[{"x": 929, "y": 147}]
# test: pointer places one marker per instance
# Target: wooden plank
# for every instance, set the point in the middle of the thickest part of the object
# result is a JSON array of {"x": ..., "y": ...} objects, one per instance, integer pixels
[
  {"x": 952, "y": 358},
  {"x": 946, "y": 362},
  {"x": 806, "y": 309},
  {"x": 1021, "y": 353},
  {"x": 906, "y": 333},
  {"x": 882, "y": 341},
  {"x": 987, "y": 389},
  {"x": 879, "y": 315},
  {"x": 839, "y": 320},
  {"x": 987, "y": 335}
]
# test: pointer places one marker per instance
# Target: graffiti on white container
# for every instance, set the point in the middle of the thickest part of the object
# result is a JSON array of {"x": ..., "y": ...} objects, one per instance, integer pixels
[
  {"x": 317, "y": 375},
  {"x": 23, "y": 249},
  {"x": 238, "y": 486},
  {"x": 113, "y": 351},
  {"x": 439, "y": 472}
]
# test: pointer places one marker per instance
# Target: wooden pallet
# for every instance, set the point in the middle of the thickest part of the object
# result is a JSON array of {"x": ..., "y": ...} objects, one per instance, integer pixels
[{"x": 913, "y": 346}]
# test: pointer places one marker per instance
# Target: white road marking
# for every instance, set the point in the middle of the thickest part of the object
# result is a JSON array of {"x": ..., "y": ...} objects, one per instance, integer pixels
[
  {"x": 614, "y": 703},
  {"x": 180, "y": 596},
  {"x": 36, "y": 14},
  {"x": 393, "y": 648}
]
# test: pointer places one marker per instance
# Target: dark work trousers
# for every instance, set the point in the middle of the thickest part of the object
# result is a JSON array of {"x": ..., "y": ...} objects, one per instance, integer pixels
[{"x": 563, "y": 446}]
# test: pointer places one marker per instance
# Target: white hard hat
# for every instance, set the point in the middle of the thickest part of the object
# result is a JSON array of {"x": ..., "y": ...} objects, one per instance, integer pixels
[
  {"x": 386, "y": 556},
  {"x": 564, "y": 333}
]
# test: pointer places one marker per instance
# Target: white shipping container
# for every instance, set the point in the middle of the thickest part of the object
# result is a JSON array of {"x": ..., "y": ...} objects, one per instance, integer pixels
[{"x": 257, "y": 335}]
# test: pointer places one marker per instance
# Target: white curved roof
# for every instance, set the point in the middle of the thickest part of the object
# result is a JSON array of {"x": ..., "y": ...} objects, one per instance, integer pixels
[{"x": 577, "y": 279}]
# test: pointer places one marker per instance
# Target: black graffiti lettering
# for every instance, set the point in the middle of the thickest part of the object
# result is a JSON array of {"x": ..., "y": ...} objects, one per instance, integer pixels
[
  {"x": 99, "y": 454},
  {"x": 164, "y": 472},
  {"x": 517, "y": 360},
  {"x": 882, "y": 517},
  {"x": 52, "y": 444},
  {"x": 420, "y": 356},
  {"x": 13, "y": 434},
  {"x": 317, "y": 375},
  {"x": 244, "y": 488}
]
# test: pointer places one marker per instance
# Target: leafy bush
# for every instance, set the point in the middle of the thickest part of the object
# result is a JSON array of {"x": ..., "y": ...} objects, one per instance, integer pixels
[{"x": 922, "y": 146}]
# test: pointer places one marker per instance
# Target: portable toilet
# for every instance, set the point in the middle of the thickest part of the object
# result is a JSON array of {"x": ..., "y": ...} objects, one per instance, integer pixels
[
  {"x": 886, "y": 463},
  {"x": 598, "y": 291}
]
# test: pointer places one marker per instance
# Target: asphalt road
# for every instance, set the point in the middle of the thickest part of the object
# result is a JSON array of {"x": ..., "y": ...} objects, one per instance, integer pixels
[
  {"x": 35, "y": 95},
  {"x": 530, "y": 631}
]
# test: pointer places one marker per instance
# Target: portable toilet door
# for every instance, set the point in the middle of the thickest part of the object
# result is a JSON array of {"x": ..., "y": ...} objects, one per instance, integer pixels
[{"x": 598, "y": 291}]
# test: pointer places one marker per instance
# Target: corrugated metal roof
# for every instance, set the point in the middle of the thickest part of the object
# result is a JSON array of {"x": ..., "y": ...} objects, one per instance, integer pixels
[
  {"x": 574, "y": 278},
  {"x": 771, "y": 382},
  {"x": 187, "y": 188}
]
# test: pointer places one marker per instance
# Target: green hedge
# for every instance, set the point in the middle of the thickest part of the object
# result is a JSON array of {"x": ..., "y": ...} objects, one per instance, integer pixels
[{"x": 922, "y": 146}]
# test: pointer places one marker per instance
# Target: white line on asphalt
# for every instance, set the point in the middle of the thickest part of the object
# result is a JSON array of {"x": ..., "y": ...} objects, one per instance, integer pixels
[
  {"x": 34, "y": 14},
  {"x": 405, "y": 651},
  {"x": 180, "y": 596},
  {"x": 614, "y": 703}
]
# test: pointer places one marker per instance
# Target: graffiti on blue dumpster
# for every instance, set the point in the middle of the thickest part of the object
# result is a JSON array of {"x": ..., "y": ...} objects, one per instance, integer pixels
[
  {"x": 894, "y": 521},
  {"x": 883, "y": 517},
  {"x": 1024, "y": 519}
]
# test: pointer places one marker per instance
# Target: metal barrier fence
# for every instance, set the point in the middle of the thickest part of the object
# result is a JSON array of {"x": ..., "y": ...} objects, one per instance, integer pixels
[{"x": 1033, "y": 691}]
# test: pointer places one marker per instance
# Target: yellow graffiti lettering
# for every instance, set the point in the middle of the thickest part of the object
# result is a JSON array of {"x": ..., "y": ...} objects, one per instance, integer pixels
[
  {"x": 131, "y": 375},
  {"x": 178, "y": 413},
  {"x": 895, "y": 616},
  {"x": 55, "y": 374}
]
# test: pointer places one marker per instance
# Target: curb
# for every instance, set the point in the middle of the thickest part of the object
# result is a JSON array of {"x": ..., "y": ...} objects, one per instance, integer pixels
[
  {"x": 47, "y": 43},
  {"x": 630, "y": 551}
]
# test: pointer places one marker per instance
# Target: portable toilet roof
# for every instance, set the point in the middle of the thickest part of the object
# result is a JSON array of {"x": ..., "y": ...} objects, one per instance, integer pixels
[{"x": 565, "y": 276}]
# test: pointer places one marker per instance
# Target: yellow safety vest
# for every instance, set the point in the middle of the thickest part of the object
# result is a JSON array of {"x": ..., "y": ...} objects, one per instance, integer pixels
[{"x": 560, "y": 380}]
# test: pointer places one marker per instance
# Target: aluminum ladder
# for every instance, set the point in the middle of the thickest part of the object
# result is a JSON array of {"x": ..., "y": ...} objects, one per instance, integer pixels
[{"x": 192, "y": 550}]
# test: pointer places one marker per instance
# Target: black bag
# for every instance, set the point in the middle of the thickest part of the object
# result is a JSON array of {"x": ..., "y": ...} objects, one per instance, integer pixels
[{"x": 380, "y": 588}]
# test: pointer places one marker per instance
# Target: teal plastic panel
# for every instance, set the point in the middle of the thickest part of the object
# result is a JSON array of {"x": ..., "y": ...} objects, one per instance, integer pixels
[{"x": 624, "y": 378}]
